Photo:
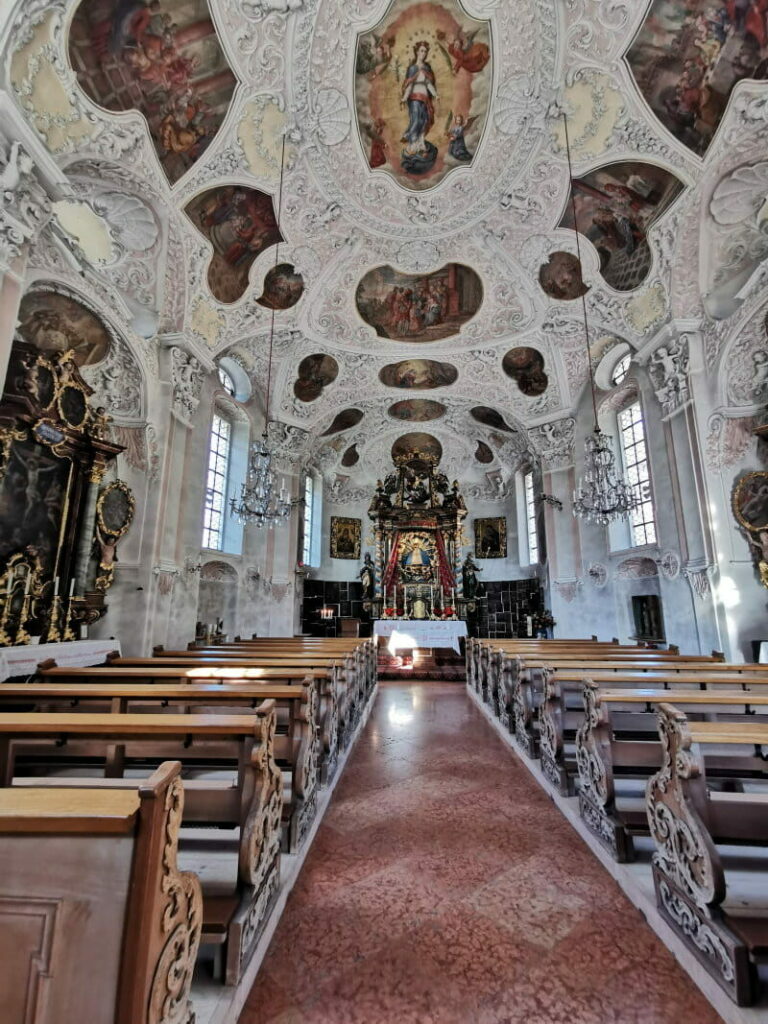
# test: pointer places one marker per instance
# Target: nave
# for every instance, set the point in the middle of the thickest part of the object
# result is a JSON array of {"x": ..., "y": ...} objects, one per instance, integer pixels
[{"x": 443, "y": 887}]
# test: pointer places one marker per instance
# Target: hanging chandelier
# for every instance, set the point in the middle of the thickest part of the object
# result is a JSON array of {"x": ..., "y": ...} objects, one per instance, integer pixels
[
  {"x": 601, "y": 495},
  {"x": 261, "y": 503}
]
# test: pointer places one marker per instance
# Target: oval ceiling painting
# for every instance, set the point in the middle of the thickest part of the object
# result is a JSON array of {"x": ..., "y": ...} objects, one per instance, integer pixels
[
  {"x": 239, "y": 222},
  {"x": 351, "y": 456},
  {"x": 526, "y": 367},
  {"x": 483, "y": 453},
  {"x": 418, "y": 374},
  {"x": 343, "y": 421},
  {"x": 419, "y": 307},
  {"x": 560, "y": 277},
  {"x": 423, "y": 77},
  {"x": 490, "y": 418},
  {"x": 282, "y": 287},
  {"x": 315, "y": 372},
  {"x": 418, "y": 410},
  {"x": 162, "y": 58},
  {"x": 417, "y": 447},
  {"x": 55, "y": 323}
]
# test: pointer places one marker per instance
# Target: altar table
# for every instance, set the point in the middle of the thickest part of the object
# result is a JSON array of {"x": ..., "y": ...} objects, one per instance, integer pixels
[
  {"x": 23, "y": 660},
  {"x": 421, "y": 632}
]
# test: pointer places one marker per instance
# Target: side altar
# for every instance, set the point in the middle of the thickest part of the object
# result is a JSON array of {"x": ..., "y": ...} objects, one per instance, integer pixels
[{"x": 416, "y": 571}]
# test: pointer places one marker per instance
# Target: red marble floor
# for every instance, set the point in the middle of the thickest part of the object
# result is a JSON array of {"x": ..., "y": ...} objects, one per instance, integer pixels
[{"x": 444, "y": 887}]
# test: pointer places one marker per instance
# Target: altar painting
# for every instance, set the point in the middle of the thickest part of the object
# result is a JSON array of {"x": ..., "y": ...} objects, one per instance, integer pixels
[
  {"x": 615, "y": 207},
  {"x": 688, "y": 57},
  {"x": 54, "y": 323},
  {"x": 345, "y": 537},
  {"x": 33, "y": 495},
  {"x": 422, "y": 85},
  {"x": 417, "y": 556},
  {"x": 491, "y": 537},
  {"x": 419, "y": 307},
  {"x": 240, "y": 223},
  {"x": 162, "y": 58}
]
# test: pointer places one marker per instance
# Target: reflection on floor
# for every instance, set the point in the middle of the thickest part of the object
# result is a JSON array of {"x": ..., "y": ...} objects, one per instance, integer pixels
[{"x": 444, "y": 888}]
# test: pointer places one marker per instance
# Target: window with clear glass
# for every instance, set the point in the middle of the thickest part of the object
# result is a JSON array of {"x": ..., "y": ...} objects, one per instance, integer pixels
[
  {"x": 621, "y": 369},
  {"x": 530, "y": 512},
  {"x": 309, "y": 514},
  {"x": 216, "y": 483},
  {"x": 635, "y": 451},
  {"x": 226, "y": 382}
]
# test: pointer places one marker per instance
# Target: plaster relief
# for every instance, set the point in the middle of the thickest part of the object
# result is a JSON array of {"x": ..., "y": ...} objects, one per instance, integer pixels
[{"x": 422, "y": 86}]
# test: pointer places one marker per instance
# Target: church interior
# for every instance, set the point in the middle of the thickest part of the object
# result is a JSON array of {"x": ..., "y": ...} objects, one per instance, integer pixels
[{"x": 384, "y": 511}]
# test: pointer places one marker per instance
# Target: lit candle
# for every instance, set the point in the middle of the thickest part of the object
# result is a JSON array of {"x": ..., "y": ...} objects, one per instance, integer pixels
[{"x": 56, "y": 587}]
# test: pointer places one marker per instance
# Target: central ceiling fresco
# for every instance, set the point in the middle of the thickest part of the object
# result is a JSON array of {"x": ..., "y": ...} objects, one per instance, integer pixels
[{"x": 421, "y": 238}]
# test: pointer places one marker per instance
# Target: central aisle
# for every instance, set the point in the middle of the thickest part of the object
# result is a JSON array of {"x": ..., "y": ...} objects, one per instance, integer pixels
[{"x": 443, "y": 887}]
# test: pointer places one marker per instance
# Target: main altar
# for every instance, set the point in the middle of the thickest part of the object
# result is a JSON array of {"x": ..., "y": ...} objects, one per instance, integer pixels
[{"x": 417, "y": 517}]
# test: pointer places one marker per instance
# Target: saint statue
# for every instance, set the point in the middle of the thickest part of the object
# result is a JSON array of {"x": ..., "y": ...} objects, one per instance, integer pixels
[
  {"x": 367, "y": 575},
  {"x": 469, "y": 578}
]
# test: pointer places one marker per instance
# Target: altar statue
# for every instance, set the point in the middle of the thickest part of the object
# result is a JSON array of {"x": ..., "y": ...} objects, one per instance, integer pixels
[
  {"x": 367, "y": 576},
  {"x": 469, "y": 578},
  {"x": 417, "y": 556}
]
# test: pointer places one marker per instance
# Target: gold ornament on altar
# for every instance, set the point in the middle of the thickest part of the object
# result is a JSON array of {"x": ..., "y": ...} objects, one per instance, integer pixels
[
  {"x": 115, "y": 509},
  {"x": 750, "y": 509}
]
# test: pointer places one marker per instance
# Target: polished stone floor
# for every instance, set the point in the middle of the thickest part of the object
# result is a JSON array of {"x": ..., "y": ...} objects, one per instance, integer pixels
[{"x": 443, "y": 887}]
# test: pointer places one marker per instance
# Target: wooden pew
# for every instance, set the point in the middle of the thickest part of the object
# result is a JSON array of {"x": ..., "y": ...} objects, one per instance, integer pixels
[
  {"x": 616, "y": 740},
  {"x": 334, "y": 716},
  {"x": 479, "y": 652},
  {"x": 233, "y": 915},
  {"x": 717, "y": 913},
  {"x": 99, "y": 924}
]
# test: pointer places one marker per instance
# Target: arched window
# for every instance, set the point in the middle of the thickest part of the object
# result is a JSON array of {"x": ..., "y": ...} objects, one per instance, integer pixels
[
  {"x": 634, "y": 450},
  {"x": 214, "y": 508},
  {"x": 621, "y": 369},
  {"x": 530, "y": 518},
  {"x": 311, "y": 522},
  {"x": 226, "y": 381}
]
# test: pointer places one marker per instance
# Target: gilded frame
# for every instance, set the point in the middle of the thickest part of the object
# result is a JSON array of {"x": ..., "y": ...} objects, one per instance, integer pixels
[
  {"x": 490, "y": 537},
  {"x": 752, "y": 488},
  {"x": 112, "y": 529},
  {"x": 346, "y": 535}
]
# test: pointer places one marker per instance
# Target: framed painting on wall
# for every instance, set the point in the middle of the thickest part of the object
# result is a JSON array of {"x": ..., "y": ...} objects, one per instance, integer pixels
[
  {"x": 491, "y": 537},
  {"x": 345, "y": 537}
]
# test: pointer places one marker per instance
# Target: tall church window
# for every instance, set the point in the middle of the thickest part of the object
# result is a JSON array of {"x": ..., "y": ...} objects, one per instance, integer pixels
[
  {"x": 216, "y": 483},
  {"x": 309, "y": 519},
  {"x": 635, "y": 452},
  {"x": 530, "y": 515}
]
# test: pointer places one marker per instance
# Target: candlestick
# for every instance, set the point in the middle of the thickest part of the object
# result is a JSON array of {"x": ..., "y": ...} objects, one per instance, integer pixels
[
  {"x": 26, "y": 584},
  {"x": 72, "y": 587},
  {"x": 56, "y": 587}
]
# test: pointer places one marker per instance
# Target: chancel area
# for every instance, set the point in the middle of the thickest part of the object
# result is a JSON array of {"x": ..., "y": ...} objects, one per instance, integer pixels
[{"x": 383, "y": 511}]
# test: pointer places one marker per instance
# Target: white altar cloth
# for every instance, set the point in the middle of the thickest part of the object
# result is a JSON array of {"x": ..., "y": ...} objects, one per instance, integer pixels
[
  {"x": 23, "y": 660},
  {"x": 421, "y": 632}
]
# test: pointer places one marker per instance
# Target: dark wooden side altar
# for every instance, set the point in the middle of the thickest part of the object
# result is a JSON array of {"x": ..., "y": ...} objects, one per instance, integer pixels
[
  {"x": 57, "y": 530},
  {"x": 417, "y": 517}
]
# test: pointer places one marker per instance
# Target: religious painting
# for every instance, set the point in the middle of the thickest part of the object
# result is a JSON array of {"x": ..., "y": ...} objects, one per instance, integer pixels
[
  {"x": 345, "y": 537},
  {"x": 351, "y": 457},
  {"x": 416, "y": 556},
  {"x": 491, "y": 537},
  {"x": 282, "y": 287},
  {"x": 418, "y": 410},
  {"x": 55, "y": 323},
  {"x": 115, "y": 509},
  {"x": 343, "y": 421},
  {"x": 417, "y": 447},
  {"x": 483, "y": 453},
  {"x": 687, "y": 58},
  {"x": 33, "y": 499},
  {"x": 419, "y": 307},
  {"x": 418, "y": 374},
  {"x": 750, "y": 508},
  {"x": 525, "y": 366},
  {"x": 315, "y": 372},
  {"x": 162, "y": 58},
  {"x": 423, "y": 78},
  {"x": 239, "y": 222},
  {"x": 490, "y": 418},
  {"x": 560, "y": 277},
  {"x": 615, "y": 207}
]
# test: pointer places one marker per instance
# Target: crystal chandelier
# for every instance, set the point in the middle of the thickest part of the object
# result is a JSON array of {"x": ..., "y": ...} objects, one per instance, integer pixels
[
  {"x": 601, "y": 496},
  {"x": 261, "y": 503}
]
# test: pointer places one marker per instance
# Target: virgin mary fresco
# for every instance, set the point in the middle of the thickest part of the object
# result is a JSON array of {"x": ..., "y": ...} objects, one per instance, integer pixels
[{"x": 420, "y": 96}]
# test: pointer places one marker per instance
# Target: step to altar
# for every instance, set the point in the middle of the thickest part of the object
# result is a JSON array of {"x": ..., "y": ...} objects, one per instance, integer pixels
[{"x": 422, "y": 663}]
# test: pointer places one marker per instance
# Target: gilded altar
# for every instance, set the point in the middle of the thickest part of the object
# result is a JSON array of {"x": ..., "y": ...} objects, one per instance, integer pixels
[{"x": 417, "y": 517}]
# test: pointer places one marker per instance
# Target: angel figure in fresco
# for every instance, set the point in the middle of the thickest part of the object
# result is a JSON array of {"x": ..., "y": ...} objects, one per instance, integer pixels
[
  {"x": 457, "y": 126},
  {"x": 465, "y": 54},
  {"x": 375, "y": 132},
  {"x": 374, "y": 60},
  {"x": 421, "y": 97}
]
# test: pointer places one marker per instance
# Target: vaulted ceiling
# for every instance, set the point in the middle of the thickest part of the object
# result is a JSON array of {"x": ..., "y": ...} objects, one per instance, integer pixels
[{"x": 419, "y": 264}]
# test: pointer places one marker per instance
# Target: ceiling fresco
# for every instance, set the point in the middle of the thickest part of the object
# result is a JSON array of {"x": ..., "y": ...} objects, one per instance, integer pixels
[
  {"x": 424, "y": 210},
  {"x": 416, "y": 447},
  {"x": 422, "y": 90},
  {"x": 419, "y": 308}
]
